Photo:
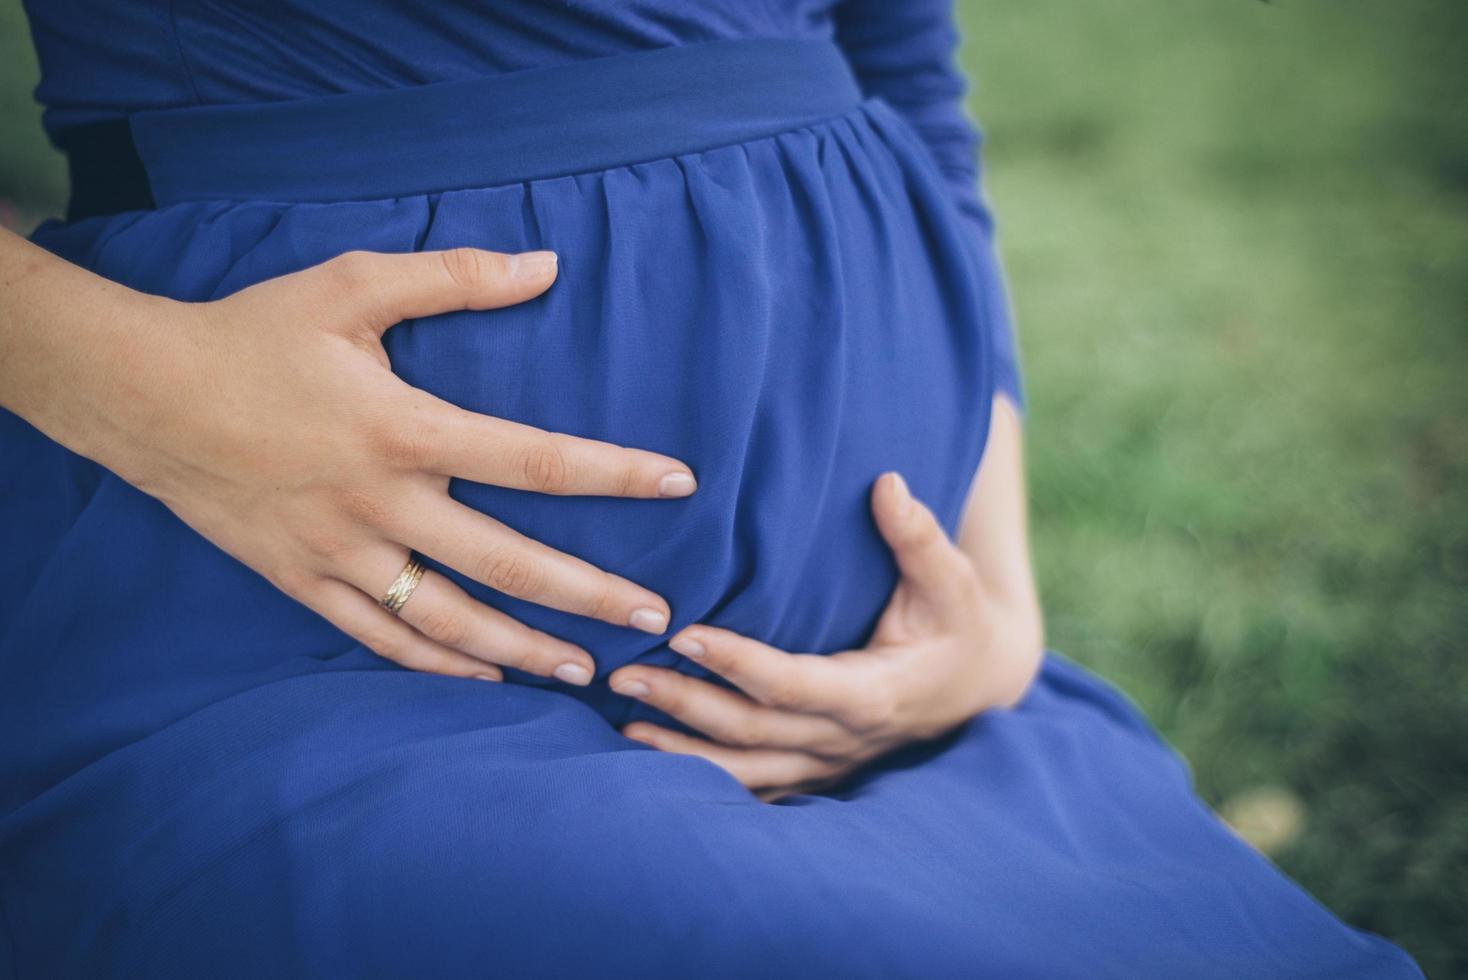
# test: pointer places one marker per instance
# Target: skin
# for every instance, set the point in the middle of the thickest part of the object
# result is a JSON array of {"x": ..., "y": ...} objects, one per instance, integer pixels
[
  {"x": 321, "y": 471},
  {"x": 961, "y": 634}
]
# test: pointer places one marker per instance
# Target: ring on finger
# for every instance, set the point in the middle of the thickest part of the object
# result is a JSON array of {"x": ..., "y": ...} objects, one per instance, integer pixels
[{"x": 402, "y": 587}]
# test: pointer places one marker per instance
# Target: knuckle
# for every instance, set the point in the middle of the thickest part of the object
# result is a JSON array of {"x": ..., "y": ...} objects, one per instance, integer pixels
[
  {"x": 362, "y": 505},
  {"x": 838, "y": 746},
  {"x": 465, "y": 266},
  {"x": 535, "y": 657},
  {"x": 521, "y": 658},
  {"x": 383, "y": 642},
  {"x": 509, "y": 571},
  {"x": 786, "y": 695},
  {"x": 327, "y": 541},
  {"x": 295, "y": 582},
  {"x": 407, "y": 447},
  {"x": 627, "y": 480},
  {"x": 349, "y": 272},
  {"x": 602, "y": 603},
  {"x": 546, "y": 468},
  {"x": 445, "y": 627},
  {"x": 871, "y": 715},
  {"x": 670, "y": 697},
  {"x": 747, "y": 733}
]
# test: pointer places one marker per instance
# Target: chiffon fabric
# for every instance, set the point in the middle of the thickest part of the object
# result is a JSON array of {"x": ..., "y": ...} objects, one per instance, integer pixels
[{"x": 765, "y": 273}]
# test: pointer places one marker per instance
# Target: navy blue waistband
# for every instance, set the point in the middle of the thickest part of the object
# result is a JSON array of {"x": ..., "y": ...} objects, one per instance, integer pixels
[{"x": 526, "y": 125}]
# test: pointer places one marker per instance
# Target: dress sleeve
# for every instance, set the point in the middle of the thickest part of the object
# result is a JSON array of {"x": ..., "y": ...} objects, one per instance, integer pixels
[{"x": 904, "y": 52}]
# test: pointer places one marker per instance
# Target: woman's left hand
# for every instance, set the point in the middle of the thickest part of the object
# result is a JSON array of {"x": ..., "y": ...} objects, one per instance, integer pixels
[{"x": 944, "y": 650}]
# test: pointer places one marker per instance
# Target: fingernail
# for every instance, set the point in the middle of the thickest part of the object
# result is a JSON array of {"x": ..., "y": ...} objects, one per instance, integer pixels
[
  {"x": 632, "y": 689},
  {"x": 687, "y": 646},
  {"x": 532, "y": 265},
  {"x": 676, "y": 485},
  {"x": 904, "y": 495},
  {"x": 485, "y": 677},
  {"x": 573, "y": 674},
  {"x": 648, "y": 620}
]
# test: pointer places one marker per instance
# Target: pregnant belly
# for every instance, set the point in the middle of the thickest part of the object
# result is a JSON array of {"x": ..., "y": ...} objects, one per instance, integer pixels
[
  {"x": 787, "y": 319},
  {"x": 790, "y": 316}
]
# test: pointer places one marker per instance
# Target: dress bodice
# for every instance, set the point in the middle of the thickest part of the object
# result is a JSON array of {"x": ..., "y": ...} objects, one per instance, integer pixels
[{"x": 103, "y": 60}]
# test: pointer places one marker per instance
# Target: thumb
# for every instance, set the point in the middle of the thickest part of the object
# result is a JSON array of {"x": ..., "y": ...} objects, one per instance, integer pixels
[
  {"x": 928, "y": 560},
  {"x": 386, "y": 289}
]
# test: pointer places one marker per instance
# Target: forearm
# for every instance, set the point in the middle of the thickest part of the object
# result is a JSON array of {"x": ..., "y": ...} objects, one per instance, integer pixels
[
  {"x": 994, "y": 533},
  {"x": 69, "y": 343}
]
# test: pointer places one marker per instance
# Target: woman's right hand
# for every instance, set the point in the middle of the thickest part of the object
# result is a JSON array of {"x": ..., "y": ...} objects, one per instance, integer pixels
[{"x": 270, "y": 421}]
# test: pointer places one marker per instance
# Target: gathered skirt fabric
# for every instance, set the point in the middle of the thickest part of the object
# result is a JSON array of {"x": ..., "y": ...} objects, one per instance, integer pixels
[{"x": 202, "y": 778}]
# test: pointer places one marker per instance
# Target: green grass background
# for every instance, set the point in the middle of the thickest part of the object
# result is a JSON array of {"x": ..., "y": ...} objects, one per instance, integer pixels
[{"x": 1237, "y": 237}]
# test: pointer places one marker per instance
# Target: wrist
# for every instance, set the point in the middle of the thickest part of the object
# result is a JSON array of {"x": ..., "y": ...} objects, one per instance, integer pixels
[
  {"x": 1018, "y": 641},
  {"x": 135, "y": 384},
  {"x": 71, "y": 344},
  {"x": 93, "y": 378}
]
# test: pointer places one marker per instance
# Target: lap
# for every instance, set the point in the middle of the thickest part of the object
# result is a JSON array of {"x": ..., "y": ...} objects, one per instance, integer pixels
[{"x": 378, "y": 822}]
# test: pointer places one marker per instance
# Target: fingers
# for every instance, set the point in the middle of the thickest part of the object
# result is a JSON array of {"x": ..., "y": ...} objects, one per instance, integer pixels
[
  {"x": 441, "y": 611},
  {"x": 728, "y": 717},
  {"x": 839, "y": 687},
  {"x": 758, "y": 769},
  {"x": 361, "y": 618},
  {"x": 388, "y": 288},
  {"x": 509, "y": 562},
  {"x": 925, "y": 555},
  {"x": 431, "y": 434},
  {"x": 450, "y": 441}
]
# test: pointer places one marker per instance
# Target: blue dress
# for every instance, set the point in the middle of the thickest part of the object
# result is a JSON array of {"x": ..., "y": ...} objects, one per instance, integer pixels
[{"x": 775, "y": 266}]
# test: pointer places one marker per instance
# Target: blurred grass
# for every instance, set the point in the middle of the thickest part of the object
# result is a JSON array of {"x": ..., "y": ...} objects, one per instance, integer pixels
[
  {"x": 1237, "y": 235},
  {"x": 1238, "y": 240}
]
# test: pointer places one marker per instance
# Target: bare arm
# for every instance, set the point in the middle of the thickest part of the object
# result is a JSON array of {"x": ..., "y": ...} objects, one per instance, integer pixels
[
  {"x": 67, "y": 339},
  {"x": 994, "y": 534}
]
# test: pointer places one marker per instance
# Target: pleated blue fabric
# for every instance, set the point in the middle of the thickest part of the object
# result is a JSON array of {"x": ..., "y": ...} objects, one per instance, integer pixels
[{"x": 767, "y": 277}]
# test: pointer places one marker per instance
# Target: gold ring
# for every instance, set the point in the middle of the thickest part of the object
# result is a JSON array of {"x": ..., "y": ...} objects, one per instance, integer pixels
[{"x": 402, "y": 587}]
